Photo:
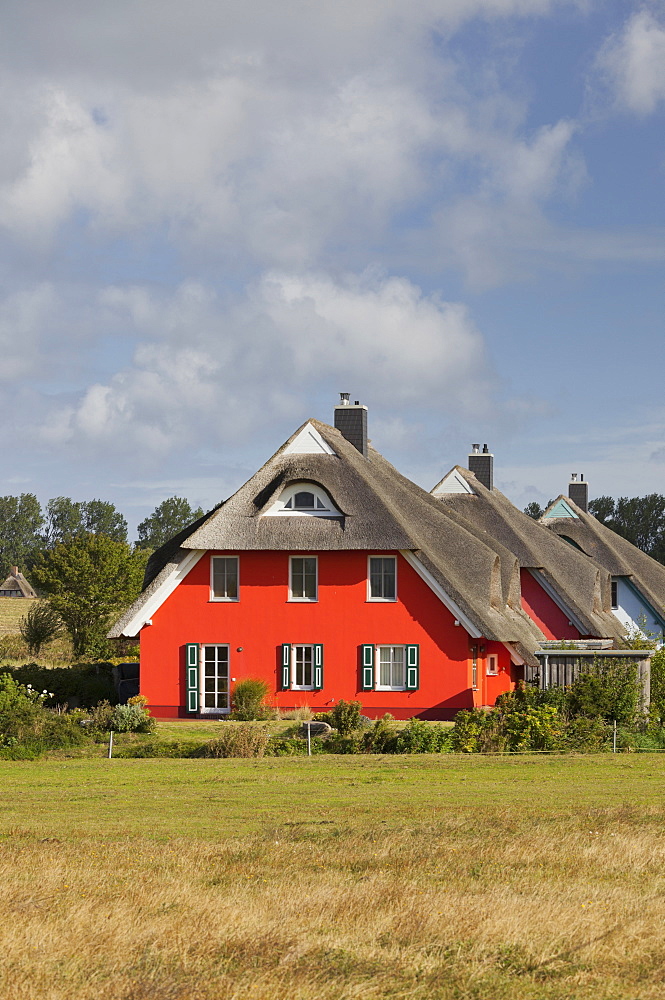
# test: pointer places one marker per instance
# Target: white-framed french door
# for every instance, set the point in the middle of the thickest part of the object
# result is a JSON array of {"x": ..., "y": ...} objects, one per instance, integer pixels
[{"x": 214, "y": 687}]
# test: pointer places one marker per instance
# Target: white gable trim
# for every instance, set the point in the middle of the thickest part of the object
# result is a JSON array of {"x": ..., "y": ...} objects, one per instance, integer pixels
[
  {"x": 453, "y": 482},
  {"x": 165, "y": 589},
  {"x": 445, "y": 598},
  {"x": 308, "y": 442},
  {"x": 515, "y": 657}
]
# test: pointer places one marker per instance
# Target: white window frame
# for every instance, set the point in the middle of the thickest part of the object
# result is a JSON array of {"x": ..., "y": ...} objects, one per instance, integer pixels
[
  {"x": 377, "y": 667},
  {"x": 492, "y": 664},
  {"x": 379, "y": 600},
  {"x": 213, "y": 711},
  {"x": 226, "y": 600},
  {"x": 304, "y": 600},
  {"x": 279, "y": 508},
  {"x": 294, "y": 647}
]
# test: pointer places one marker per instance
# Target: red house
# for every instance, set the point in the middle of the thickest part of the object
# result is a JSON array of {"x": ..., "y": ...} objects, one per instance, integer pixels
[{"x": 330, "y": 575}]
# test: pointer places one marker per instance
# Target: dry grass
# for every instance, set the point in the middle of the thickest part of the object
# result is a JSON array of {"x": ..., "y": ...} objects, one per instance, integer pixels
[
  {"x": 333, "y": 879},
  {"x": 13, "y": 649}
]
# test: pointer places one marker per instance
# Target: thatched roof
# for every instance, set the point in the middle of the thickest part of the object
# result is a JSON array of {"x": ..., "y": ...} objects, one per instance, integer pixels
[
  {"x": 381, "y": 510},
  {"x": 18, "y": 584},
  {"x": 581, "y": 585},
  {"x": 616, "y": 554}
]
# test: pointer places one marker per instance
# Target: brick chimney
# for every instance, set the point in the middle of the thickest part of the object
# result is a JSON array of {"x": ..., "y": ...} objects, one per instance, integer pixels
[
  {"x": 481, "y": 463},
  {"x": 351, "y": 421},
  {"x": 578, "y": 491}
]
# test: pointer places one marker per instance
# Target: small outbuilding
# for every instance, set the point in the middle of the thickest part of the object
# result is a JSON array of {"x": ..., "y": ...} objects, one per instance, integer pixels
[{"x": 16, "y": 585}]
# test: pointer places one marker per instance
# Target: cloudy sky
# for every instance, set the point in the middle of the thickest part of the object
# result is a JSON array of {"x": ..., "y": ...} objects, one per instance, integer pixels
[{"x": 215, "y": 216}]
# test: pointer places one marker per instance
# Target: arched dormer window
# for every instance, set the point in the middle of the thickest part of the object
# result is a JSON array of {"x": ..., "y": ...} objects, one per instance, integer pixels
[{"x": 303, "y": 500}]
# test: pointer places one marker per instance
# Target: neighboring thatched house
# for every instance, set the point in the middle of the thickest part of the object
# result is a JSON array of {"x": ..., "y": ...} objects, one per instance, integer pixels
[
  {"x": 637, "y": 580},
  {"x": 16, "y": 585},
  {"x": 329, "y": 575}
]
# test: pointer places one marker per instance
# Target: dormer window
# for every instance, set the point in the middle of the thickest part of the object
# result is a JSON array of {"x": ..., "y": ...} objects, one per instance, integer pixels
[{"x": 303, "y": 500}]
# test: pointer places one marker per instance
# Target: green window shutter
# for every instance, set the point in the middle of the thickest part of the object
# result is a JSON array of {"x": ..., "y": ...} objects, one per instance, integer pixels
[
  {"x": 192, "y": 668},
  {"x": 318, "y": 667},
  {"x": 412, "y": 668},
  {"x": 368, "y": 667},
  {"x": 286, "y": 666}
]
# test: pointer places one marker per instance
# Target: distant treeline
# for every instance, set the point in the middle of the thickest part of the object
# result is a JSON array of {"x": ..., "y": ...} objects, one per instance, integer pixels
[{"x": 27, "y": 530}]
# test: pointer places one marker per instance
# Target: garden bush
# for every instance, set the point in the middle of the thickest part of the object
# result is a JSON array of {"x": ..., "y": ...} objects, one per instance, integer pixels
[
  {"x": 345, "y": 717},
  {"x": 87, "y": 683},
  {"x": 608, "y": 689},
  {"x": 249, "y": 700},
  {"x": 130, "y": 718},
  {"x": 422, "y": 737},
  {"x": 27, "y": 728},
  {"x": 239, "y": 741}
]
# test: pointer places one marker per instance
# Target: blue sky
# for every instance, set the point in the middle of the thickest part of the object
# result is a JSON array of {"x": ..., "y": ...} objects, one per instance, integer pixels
[{"x": 214, "y": 221}]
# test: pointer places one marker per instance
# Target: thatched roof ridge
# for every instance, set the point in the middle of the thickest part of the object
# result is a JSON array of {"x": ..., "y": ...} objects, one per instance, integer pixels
[
  {"x": 611, "y": 551},
  {"x": 582, "y": 585}
]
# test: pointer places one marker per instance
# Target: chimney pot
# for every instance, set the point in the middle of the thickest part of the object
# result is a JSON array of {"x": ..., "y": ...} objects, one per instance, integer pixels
[
  {"x": 475, "y": 449},
  {"x": 485, "y": 450},
  {"x": 344, "y": 398}
]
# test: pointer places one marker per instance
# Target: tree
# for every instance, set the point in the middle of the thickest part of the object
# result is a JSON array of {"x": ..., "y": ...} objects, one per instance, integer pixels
[
  {"x": 91, "y": 579},
  {"x": 534, "y": 510},
  {"x": 641, "y": 520},
  {"x": 67, "y": 519},
  {"x": 41, "y": 625},
  {"x": 170, "y": 517},
  {"x": 20, "y": 522}
]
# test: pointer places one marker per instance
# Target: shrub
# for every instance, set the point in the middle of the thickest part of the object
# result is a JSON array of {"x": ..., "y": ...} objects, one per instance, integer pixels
[
  {"x": 239, "y": 741},
  {"x": 422, "y": 737},
  {"x": 249, "y": 697},
  {"x": 345, "y": 716},
  {"x": 532, "y": 727},
  {"x": 88, "y": 683},
  {"x": 608, "y": 689},
  {"x": 471, "y": 730},
  {"x": 41, "y": 625},
  {"x": 382, "y": 737},
  {"x": 27, "y": 728},
  {"x": 122, "y": 718}
]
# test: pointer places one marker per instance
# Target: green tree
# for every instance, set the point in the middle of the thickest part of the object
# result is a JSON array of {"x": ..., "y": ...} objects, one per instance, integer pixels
[
  {"x": 91, "y": 579},
  {"x": 41, "y": 625},
  {"x": 169, "y": 518},
  {"x": 20, "y": 522},
  {"x": 641, "y": 520},
  {"x": 67, "y": 519},
  {"x": 534, "y": 510}
]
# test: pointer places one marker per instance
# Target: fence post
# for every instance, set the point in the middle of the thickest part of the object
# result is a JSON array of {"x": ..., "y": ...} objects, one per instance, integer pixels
[
  {"x": 110, "y": 744},
  {"x": 614, "y": 737},
  {"x": 309, "y": 739}
]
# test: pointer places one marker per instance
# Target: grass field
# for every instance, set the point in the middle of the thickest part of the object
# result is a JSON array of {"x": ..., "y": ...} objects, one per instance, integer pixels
[
  {"x": 333, "y": 878},
  {"x": 12, "y": 610}
]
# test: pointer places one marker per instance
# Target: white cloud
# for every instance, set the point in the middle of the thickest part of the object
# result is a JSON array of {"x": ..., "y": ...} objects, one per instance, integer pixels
[
  {"x": 633, "y": 60},
  {"x": 209, "y": 372}
]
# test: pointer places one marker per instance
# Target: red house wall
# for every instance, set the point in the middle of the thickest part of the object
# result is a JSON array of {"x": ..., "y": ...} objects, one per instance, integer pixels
[
  {"x": 543, "y": 611},
  {"x": 342, "y": 619}
]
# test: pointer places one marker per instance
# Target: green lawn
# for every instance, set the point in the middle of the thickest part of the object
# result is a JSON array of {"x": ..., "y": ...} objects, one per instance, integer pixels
[{"x": 213, "y": 798}]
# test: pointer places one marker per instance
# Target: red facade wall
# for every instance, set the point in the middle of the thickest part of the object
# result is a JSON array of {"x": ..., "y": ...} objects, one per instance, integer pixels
[
  {"x": 545, "y": 613},
  {"x": 342, "y": 620}
]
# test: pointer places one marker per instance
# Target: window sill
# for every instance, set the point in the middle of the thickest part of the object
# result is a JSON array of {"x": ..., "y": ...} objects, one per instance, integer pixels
[
  {"x": 224, "y": 600},
  {"x": 302, "y": 600},
  {"x": 381, "y": 600}
]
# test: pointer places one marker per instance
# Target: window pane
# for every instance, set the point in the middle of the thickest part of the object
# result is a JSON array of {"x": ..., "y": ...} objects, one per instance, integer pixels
[
  {"x": 397, "y": 678},
  {"x": 303, "y": 658},
  {"x": 225, "y": 577},
  {"x": 303, "y": 578},
  {"x": 304, "y": 499},
  {"x": 382, "y": 578}
]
